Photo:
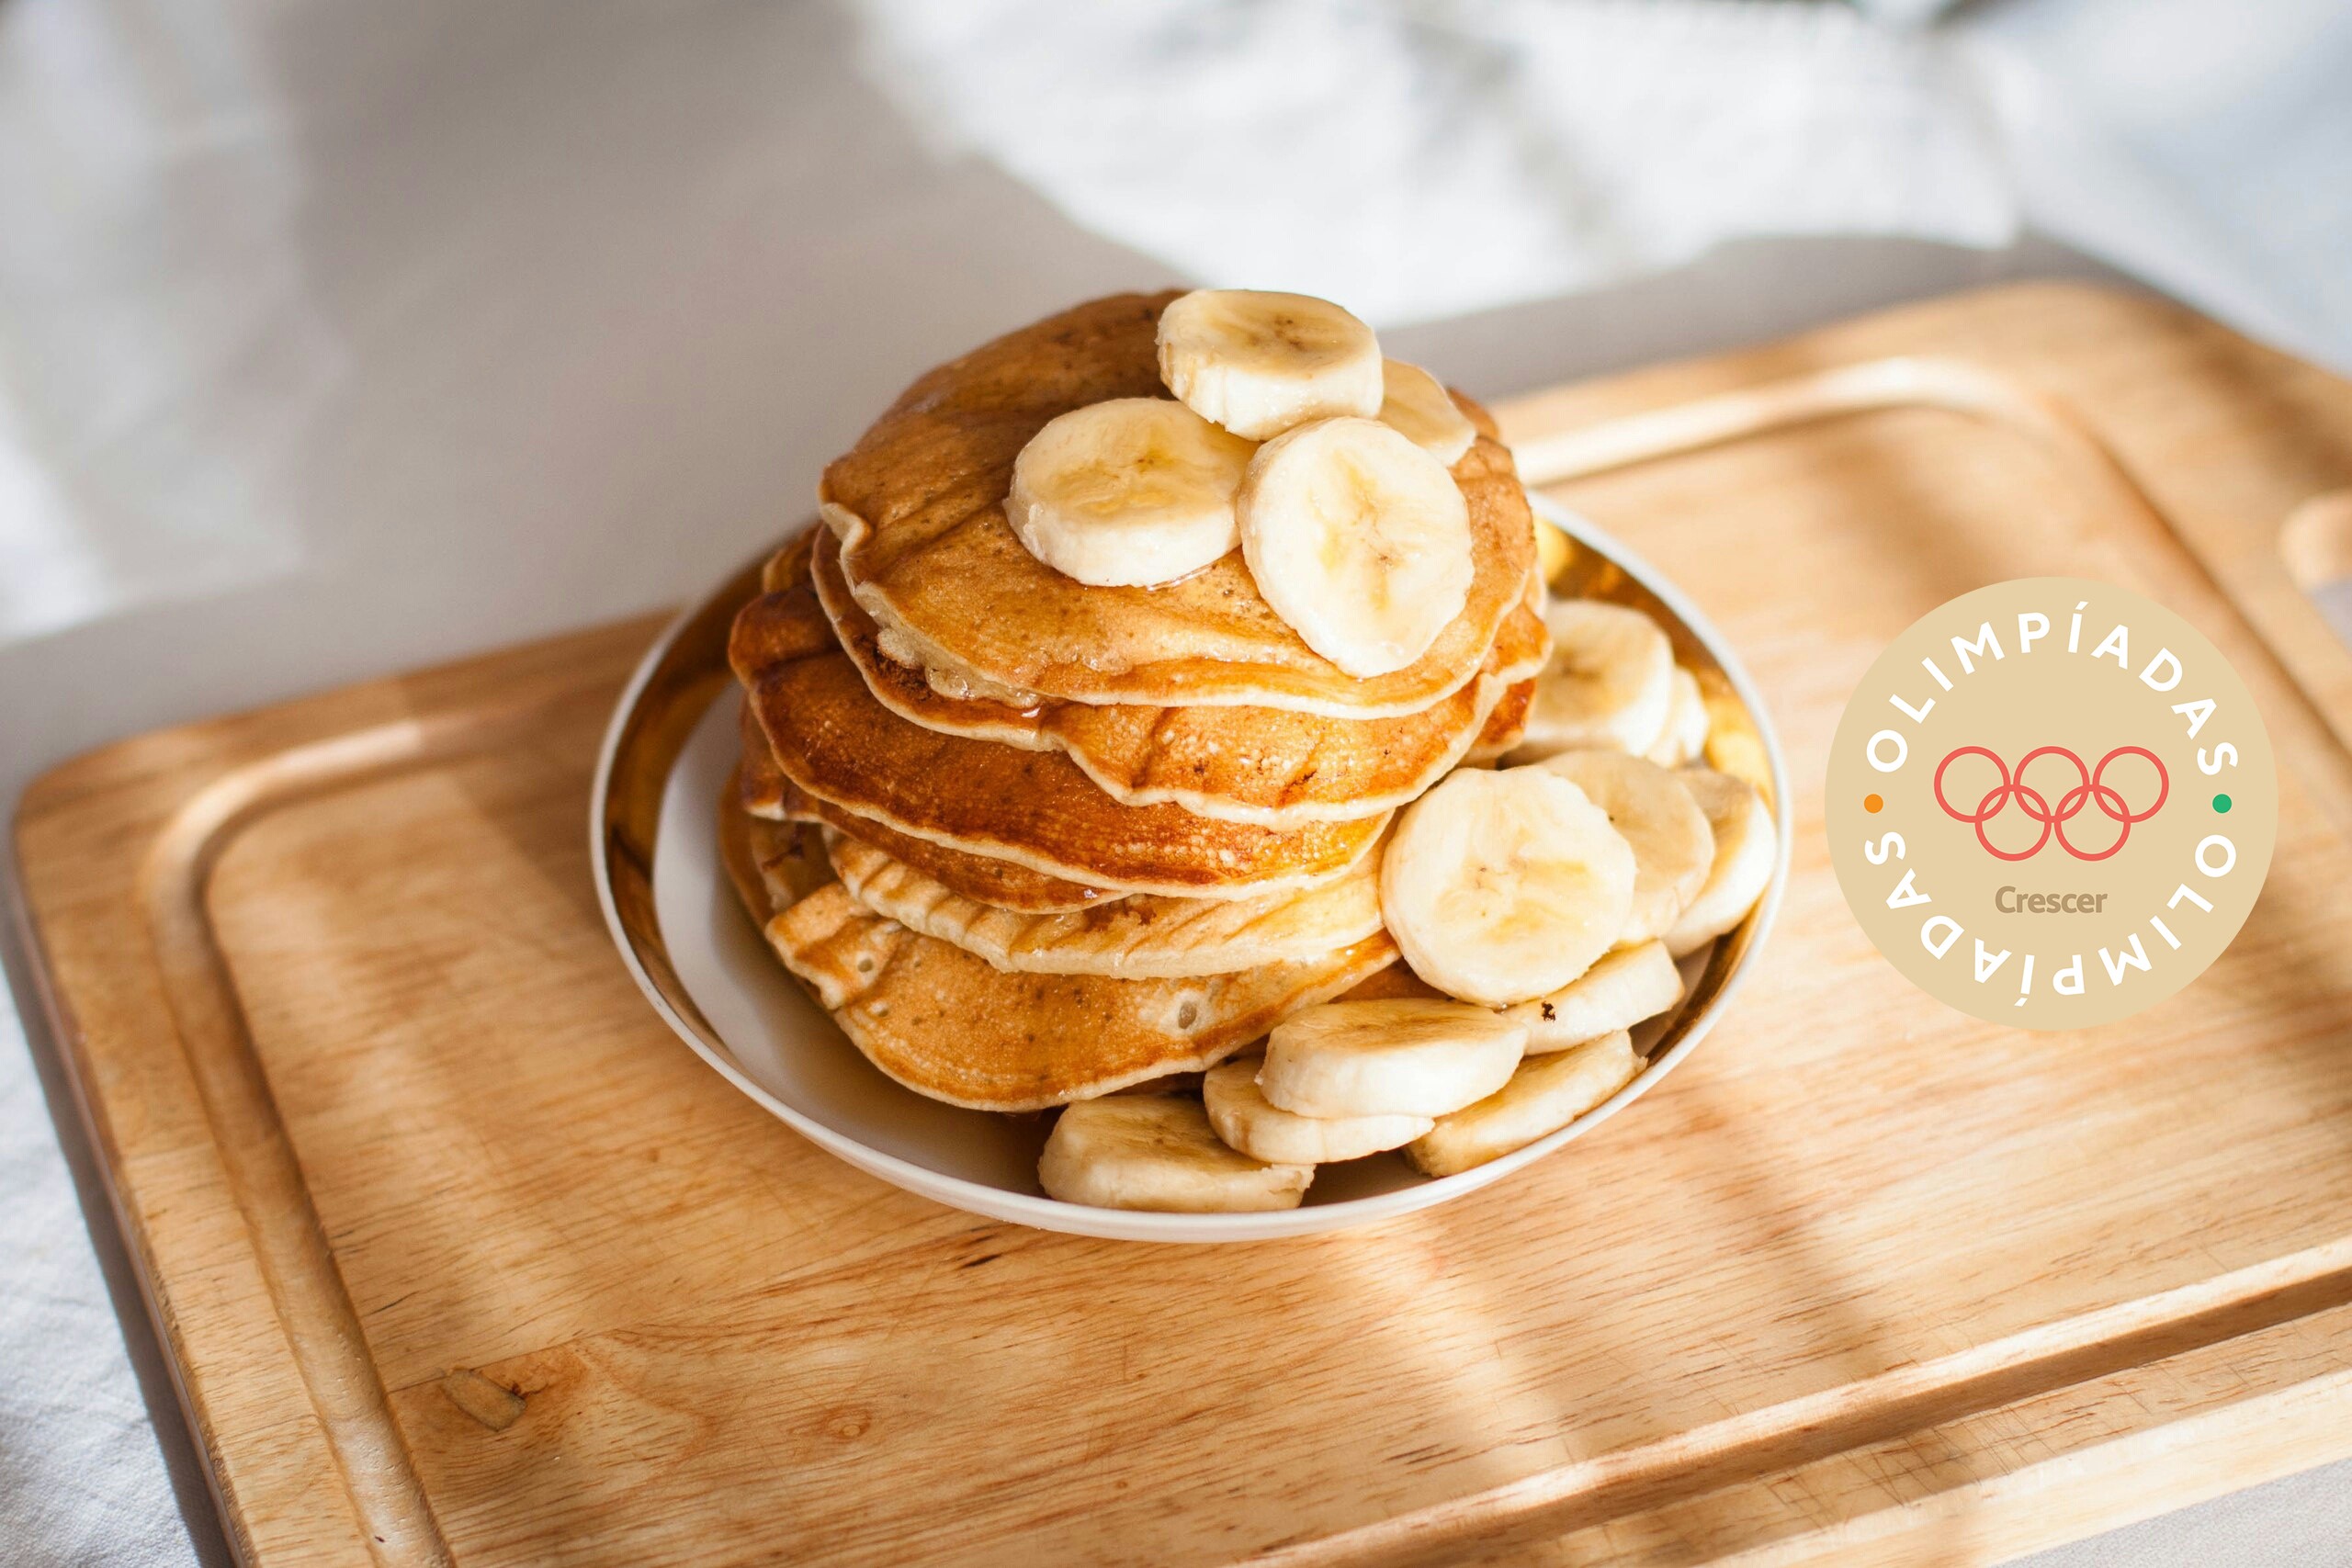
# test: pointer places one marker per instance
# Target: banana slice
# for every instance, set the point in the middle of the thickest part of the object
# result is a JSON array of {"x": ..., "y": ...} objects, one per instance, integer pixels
[
  {"x": 1258, "y": 363},
  {"x": 1686, "y": 723},
  {"x": 1610, "y": 685},
  {"x": 1420, "y": 408},
  {"x": 1543, "y": 1096},
  {"x": 1501, "y": 888},
  {"x": 1158, "y": 1151},
  {"x": 1624, "y": 988},
  {"x": 1359, "y": 539},
  {"x": 1673, "y": 846},
  {"x": 1131, "y": 492},
  {"x": 1393, "y": 1058},
  {"x": 1554, "y": 550},
  {"x": 1746, "y": 849},
  {"x": 1246, "y": 1119}
]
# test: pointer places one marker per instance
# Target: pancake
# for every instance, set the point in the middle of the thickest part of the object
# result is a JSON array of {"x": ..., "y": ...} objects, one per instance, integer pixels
[
  {"x": 1505, "y": 725},
  {"x": 1140, "y": 938},
  {"x": 759, "y": 786},
  {"x": 772, "y": 865},
  {"x": 927, "y": 550},
  {"x": 1052, "y": 1040},
  {"x": 1034, "y": 808},
  {"x": 947, "y": 1025},
  {"x": 951, "y": 1026},
  {"x": 763, "y": 791},
  {"x": 1268, "y": 767},
  {"x": 997, "y": 883}
]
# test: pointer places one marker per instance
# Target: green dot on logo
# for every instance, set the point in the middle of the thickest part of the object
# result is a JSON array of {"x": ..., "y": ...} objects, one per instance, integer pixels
[{"x": 2222, "y": 803}]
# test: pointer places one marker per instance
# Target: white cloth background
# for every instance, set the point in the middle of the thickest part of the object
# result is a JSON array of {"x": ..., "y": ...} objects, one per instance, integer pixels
[
  {"x": 118, "y": 479},
  {"x": 1427, "y": 158},
  {"x": 1430, "y": 160},
  {"x": 391, "y": 329},
  {"x": 1419, "y": 159}
]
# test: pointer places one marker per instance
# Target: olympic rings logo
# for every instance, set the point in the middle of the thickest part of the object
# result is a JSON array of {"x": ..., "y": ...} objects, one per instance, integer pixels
[{"x": 2093, "y": 789}]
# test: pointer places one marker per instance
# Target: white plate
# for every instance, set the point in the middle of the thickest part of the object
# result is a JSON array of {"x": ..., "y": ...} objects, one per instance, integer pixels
[{"x": 763, "y": 1035}]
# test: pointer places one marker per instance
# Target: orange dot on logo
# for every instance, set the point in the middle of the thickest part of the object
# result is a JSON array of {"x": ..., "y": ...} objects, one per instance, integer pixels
[{"x": 1870, "y": 803}]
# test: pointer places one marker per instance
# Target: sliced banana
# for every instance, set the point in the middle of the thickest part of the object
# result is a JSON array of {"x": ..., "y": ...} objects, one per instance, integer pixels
[
  {"x": 1610, "y": 685},
  {"x": 1746, "y": 849},
  {"x": 1673, "y": 847},
  {"x": 1504, "y": 886},
  {"x": 1543, "y": 1096},
  {"x": 1554, "y": 550},
  {"x": 1258, "y": 363},
  {"x": 1420, "y": 408},
  {"x": 1246, "y": 1119},
  {"x": 1158, "y": 1151},
  {"x": 1405, "y": 1058},
  {"x": 1686, "y": 723},
  {"x": 1128, "y": 493},
  {"x": 1624, "y": 988},
  {"x": 1359, "y": 539}
]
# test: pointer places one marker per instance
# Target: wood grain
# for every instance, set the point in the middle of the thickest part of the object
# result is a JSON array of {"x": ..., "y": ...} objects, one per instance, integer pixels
[{"x": 433, "y": 1212}]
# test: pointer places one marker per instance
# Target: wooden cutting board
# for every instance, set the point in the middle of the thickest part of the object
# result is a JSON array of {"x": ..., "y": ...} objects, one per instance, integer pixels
[{"x": 459, "y": 1256}]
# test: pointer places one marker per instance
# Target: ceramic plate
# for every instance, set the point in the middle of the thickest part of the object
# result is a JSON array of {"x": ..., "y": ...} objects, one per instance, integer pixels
[{"x": 706, "y": 969}]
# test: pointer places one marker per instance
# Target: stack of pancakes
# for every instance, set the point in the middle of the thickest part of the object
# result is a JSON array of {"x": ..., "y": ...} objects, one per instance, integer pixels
[{"x": 1030, "y": 841}]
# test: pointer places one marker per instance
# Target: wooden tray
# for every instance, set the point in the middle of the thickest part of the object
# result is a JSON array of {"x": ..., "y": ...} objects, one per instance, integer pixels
[{"x": 460, "y": 1256}]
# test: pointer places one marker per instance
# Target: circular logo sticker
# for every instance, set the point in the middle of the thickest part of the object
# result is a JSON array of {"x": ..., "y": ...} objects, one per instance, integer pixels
[{"x": 2051, "y": 803}]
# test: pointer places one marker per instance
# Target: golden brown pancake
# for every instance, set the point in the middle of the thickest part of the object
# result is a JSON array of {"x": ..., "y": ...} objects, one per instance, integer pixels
[
  {"x": 927, "y": 550},
  {"x": 1269, "y": 767},
  {"x": 1034, "y": 808},
  {"x": 1138, "y": 937},
  {"x": 773, "y": 863},
  {"x": 951, "y": 1026},
  {"x": 947, "y": 1025},
  {"x": 1506, "y": 725},
  {"x": 759, "y": 786},
  {"x": 763, "y": 791},
  {"x": 999, "y": 883}
]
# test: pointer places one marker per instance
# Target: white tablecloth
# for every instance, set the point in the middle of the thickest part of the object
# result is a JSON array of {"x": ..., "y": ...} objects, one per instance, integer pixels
[{"x": 338, "y": 338}]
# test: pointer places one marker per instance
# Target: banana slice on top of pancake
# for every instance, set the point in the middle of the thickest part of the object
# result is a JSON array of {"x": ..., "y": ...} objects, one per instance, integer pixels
[
  {"x": 1128, "y": 493},
  {"x": 1260, "y": 363},
  {"x": 1501, "y": 888},
  {"x": 1359, "y": 539},
  {"x": 927, "y": 548},
  {"x": 1420, "y": 407}
]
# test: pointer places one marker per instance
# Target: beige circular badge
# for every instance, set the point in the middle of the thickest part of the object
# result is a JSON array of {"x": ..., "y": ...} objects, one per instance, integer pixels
[{"x": 2050, "y": 802}]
